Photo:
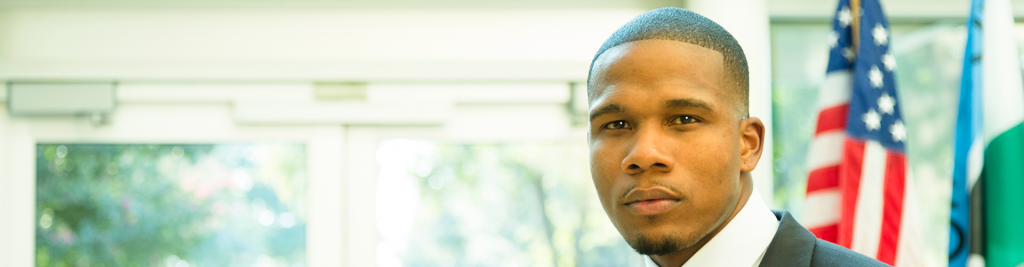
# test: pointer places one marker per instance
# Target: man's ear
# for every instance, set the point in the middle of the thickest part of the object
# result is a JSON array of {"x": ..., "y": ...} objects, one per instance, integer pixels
[{"x": 751, "y": 143}]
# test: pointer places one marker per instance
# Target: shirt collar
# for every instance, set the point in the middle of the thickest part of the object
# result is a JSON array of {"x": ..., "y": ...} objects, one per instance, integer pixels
[{"x": 742, "y": 242}]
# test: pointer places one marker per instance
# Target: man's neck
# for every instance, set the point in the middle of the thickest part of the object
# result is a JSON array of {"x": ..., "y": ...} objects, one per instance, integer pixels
[{"x": 680, "y": 257}]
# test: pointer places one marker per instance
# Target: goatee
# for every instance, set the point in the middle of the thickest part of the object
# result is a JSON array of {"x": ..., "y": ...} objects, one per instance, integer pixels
[{"x": 647, "y": 245}]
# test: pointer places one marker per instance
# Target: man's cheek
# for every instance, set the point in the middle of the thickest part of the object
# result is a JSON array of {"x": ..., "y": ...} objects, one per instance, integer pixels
[
  {"x": 604, "y": 171},
  {"x": 604, "y": 177},
  {"x": 598, "y": 167},
  {"x": 604, "y": 160},
  {"x": 708, "y": 155}
]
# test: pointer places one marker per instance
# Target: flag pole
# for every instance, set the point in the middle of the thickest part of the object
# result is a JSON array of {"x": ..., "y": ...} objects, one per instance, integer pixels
[{"x": 855, "y": 26}]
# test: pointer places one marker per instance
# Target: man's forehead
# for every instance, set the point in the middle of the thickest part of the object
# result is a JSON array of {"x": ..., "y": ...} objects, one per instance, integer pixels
[
  {"x": 655, "y": 63},
  {"x": 658, "y": 50}
]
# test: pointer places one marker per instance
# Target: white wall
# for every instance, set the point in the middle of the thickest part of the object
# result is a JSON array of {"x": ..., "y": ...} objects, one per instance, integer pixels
[{"x": 303, "y": 44}]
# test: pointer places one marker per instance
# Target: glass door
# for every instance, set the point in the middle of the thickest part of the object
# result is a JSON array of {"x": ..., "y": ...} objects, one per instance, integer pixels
[{"x": 175, "y": 183}]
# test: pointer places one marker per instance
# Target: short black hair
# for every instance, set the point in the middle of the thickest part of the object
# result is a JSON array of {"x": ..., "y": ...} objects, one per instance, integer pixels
[{"x": 677, "y": 24}]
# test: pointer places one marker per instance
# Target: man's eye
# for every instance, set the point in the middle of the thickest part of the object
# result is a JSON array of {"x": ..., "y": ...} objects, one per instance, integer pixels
[
  {"x": 617, "y": 125},
  {"x": 684, "y": 119}
]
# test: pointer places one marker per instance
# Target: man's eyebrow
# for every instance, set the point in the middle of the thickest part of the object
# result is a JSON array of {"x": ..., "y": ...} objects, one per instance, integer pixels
[
  {"x": 688, "y": 103},
  {"x": 609, "y": 109}
]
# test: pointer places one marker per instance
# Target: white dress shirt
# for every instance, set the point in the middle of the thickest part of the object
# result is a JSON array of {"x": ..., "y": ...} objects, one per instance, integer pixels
[{"x": 742, "y": 242}]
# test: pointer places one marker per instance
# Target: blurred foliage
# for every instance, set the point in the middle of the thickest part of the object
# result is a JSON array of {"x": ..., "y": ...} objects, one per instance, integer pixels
[
  {"x": 170, "y": 205},
  {"x": 495, "y": 205}
]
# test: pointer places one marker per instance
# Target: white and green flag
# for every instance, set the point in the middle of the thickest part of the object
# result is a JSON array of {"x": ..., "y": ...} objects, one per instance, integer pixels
[{"x": 990, "y": 142}]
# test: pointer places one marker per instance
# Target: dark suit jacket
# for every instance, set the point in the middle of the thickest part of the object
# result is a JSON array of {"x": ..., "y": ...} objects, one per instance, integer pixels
[{"x": 794, "y": 246}]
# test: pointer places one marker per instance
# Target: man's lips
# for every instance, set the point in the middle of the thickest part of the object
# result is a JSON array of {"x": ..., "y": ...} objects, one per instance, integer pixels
[
  {"x": 650, "y": 201},
  {"x": 651, "y": 207}
]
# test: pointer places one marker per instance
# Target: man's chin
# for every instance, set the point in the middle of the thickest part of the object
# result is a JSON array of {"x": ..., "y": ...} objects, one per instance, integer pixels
[{"x": 650, "y": 244}]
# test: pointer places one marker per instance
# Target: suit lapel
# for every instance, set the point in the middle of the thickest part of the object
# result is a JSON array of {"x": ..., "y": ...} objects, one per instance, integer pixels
[{"x": 792, "y": 245}]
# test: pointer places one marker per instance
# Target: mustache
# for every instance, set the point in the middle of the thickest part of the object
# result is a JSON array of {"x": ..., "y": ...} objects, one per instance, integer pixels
[{"x": 657, "y": 183}]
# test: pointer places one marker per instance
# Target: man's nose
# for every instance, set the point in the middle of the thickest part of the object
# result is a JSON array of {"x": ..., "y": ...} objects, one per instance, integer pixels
[{"x": 648, "y": 153}]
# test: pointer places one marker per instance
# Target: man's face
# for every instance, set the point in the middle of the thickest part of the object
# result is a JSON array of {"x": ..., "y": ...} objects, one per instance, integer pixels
[{"x": 665, "y": 143}]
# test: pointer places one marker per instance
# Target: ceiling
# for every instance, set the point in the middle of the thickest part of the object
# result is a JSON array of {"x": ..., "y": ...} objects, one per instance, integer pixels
[
  {"x": 374, "y": 4},
  {"x": 779, "y": 10}
]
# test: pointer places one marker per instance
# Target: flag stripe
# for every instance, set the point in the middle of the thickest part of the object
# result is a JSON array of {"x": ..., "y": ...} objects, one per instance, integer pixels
[
  {"x": 867, "y": 222},
  {"x": 822, "y": 179},
  {"x": 836, "y": 89},
  {"x": 895, "y": 186},
  {"x": 821, "y": 209},
  {"x": 910, "y": 248},
  {"x": 1001, "y": 78},
  {"x": 825, "y": 150},
  {"x": 827, "y": 233},
  {"x": 849, "y": 178},
  {"x": 832, "y": 119},
  {"x": 1004, "y": 206}
]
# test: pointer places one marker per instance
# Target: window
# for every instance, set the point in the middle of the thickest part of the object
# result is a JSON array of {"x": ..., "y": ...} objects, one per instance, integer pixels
[
  {"x": 170, "y": 205},
  {"x": 507, "y": 204}
]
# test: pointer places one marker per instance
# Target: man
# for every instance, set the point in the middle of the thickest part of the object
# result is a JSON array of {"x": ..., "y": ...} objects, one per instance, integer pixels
[{"x": 672, "y": 147}]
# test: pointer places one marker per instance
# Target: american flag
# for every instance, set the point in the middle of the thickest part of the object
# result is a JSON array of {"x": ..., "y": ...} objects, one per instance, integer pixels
[{"x": 857, "y": 187}]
